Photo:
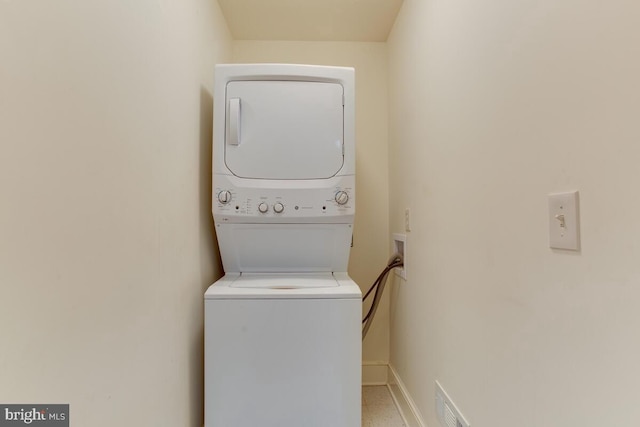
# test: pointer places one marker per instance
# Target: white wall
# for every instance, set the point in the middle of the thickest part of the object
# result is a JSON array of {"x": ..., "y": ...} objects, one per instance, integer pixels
[
  {"x": 492, "y": 106},
  {"x": 106, "y": 241},
  {"x": 371, "y": 237}
]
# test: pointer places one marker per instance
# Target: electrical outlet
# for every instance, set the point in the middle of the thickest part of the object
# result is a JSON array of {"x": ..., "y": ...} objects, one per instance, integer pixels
[
  {"x": 400, "y": 247},
  {"x": 407, "y": 220}
]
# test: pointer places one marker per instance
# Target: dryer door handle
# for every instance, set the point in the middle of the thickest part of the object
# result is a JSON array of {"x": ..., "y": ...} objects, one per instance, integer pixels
[{"x": 233, "y": 122}]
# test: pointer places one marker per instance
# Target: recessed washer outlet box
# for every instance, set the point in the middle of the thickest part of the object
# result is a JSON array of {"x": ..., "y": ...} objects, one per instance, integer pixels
[{"x": 400, "y": 247}]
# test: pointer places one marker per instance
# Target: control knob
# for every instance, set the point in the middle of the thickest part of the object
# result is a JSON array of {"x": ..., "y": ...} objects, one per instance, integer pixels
[
  {"x": 224, "y": 196},
  {"x": 342, "y": 197},
  {"x": 263, "y": 207},
  {"x": 278, "y": 207}
]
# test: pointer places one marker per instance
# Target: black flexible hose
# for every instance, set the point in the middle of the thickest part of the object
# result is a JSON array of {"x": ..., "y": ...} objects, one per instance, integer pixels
[
  {"x": 376, "y": 286},
  {"x": 379, "y": 284}
]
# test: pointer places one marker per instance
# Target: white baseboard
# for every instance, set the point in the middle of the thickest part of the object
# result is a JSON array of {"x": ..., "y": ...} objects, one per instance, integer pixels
[{"x": 407, "y": 407}]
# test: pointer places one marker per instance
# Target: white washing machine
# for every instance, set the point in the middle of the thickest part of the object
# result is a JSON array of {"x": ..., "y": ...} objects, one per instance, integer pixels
[{"x": 283, "y": 326}]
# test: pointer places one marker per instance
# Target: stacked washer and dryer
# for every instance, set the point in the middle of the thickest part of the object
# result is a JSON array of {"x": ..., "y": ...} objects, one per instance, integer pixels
[{"x": 283, "y": 326}]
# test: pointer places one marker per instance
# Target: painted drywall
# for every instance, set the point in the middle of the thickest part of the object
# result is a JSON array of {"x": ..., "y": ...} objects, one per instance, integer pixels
[
  {"x": 106, "y": 240},
  {"x": 371, "y": 237},
  {"x": 493, "y": 105},
  {"x": 311, "y": 20}
]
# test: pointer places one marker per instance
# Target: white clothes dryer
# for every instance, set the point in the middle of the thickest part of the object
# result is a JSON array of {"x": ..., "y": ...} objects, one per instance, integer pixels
[{"x": 283, "y": 326}]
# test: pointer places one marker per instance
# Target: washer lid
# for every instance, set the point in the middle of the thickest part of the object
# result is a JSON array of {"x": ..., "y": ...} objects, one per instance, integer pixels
[
  {"x": 285, "y": 286},
  {"x": 284, "y": 129},
  {"x": 285, "y": 281}
]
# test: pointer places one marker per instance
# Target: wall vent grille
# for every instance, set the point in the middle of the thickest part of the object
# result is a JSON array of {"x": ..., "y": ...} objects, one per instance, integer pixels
[{"x": 448, "y": 413}]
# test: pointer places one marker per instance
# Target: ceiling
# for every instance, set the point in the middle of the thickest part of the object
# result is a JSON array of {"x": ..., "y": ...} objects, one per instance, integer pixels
[{"x": 311, "y": 20}]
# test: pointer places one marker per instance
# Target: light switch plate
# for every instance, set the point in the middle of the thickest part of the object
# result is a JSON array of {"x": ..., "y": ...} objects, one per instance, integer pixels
[{"x": 564, "y": 222}]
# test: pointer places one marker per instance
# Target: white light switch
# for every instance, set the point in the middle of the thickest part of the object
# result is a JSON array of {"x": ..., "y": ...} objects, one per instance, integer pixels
[{"x": 564, "y": 225}]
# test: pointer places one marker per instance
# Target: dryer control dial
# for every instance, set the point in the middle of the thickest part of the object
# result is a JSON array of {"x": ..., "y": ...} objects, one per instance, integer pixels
[
  {"x": 342, "y": 197},
  {"x": 263, "y": 207},
  {"x": 278, "y": 207},
  {"x": 224, "y": 196}
]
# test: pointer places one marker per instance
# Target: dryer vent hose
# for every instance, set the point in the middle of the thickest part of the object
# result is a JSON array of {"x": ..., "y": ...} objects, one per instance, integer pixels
[{"x": 395, "y": 261}]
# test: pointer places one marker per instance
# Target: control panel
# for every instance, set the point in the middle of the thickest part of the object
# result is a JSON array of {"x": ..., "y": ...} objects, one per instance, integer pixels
[{"x": 250, "y": 204}]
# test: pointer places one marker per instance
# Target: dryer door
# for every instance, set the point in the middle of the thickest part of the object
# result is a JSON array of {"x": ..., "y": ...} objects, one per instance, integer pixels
[{"x": 284, "y": 129}]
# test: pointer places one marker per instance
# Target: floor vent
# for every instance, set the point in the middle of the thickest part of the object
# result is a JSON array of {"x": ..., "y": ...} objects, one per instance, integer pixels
[{"x": 448, "y": 414}]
